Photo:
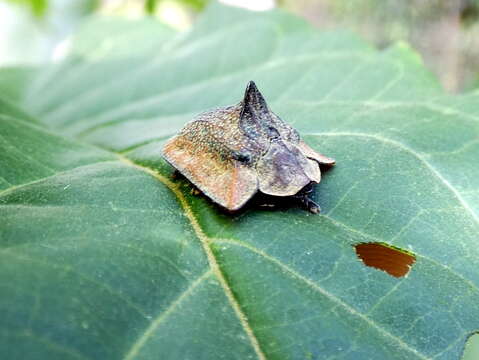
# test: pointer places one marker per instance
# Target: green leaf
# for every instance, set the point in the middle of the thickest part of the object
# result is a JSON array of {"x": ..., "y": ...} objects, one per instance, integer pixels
[
  {"x": 14, "y": 80},
  {"x": 107, "y": 256},
  {"x": 111, "y": 37},
  {"x": 8, "y": 109},
  {"x": 37, "y": 7}
]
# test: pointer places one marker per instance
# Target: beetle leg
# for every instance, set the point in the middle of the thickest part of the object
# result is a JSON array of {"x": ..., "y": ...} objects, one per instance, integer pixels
[
  {"x": 308, "y": 189},
  {"x": 310, "y": 205},
  {"x": 305, "y": 200}
]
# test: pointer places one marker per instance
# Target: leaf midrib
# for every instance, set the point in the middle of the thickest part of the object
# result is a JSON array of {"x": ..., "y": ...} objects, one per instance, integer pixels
[
  {"x": 214, "y": 266},
  {"x": 205, "y": 242}
]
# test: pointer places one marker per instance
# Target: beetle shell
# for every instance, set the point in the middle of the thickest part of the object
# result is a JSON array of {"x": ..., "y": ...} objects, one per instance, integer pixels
[{"x": 230, "y": 153}]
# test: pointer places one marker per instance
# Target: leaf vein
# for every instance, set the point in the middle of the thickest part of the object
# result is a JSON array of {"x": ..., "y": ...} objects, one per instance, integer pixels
[
  {"x": 205, "y": 242},
  {"x": 141, "y": 341},
  {"x": 333, "y": 298},
  {"x": 406, "y": 148},
  {"x": 106, "y": 287}
]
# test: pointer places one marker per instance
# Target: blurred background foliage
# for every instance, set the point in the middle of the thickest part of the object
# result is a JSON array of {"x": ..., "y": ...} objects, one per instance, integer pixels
[{"x": 445, "y": 32}]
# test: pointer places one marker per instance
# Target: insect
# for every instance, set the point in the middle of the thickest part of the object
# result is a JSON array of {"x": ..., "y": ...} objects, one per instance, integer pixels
[{"x": 231, "y": 153}]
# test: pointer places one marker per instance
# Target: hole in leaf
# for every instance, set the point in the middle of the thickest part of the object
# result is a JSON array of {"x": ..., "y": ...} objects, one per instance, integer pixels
[
  {"x": 471, "y": 351},
  {"x": 395, "y": 261}
]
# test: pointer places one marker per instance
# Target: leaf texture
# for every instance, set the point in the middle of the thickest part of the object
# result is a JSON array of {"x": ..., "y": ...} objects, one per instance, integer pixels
[{"x": 106, "y": 256}]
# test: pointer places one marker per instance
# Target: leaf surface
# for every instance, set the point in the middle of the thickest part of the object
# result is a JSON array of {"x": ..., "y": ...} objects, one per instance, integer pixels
[{"x": 106, "y": 255}]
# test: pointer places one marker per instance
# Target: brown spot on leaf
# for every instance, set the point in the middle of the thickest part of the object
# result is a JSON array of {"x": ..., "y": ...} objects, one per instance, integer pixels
[{"x": 395, "y": 261}]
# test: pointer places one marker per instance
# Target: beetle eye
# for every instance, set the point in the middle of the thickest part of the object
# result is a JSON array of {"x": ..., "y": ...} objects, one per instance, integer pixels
[
  {"x": 273, "y": 133},
  {"x": 243, "y": 157}
]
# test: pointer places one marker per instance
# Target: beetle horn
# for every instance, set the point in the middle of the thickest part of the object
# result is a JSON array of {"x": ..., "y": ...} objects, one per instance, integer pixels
[
  {"x": 254, "y": 116},
  {"x": 254, "y": 99}
]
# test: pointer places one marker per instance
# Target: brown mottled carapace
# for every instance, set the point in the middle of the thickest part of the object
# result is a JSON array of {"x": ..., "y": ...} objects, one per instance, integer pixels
[{"x": 231, "y": 153}]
